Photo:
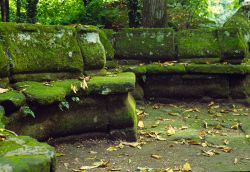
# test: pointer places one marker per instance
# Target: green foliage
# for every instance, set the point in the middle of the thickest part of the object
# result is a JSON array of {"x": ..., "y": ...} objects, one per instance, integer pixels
[
  {"x": 64, "y": 105},
  {"x": 26, "y": 111}
]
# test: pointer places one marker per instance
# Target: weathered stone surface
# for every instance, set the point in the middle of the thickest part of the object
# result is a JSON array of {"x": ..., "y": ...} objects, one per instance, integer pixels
[
  {"x": 186, "y": 86},
  {"x": 92, "y": 49},
  {"x": 20, "y": 153},
  {"x": 181, "y": 68},
  {"x": 4, "y": 65},
  {"x": 91, "y": 114},
  {"x": 240, "y": 86},
  {"x": 145, "y": 44},
  {"x": 198, "y": 43},
  {"x": 12, "y": 100},
  {"x": 233, "y": 46},
  {"x": 37, "y": 48},
  {"x": 44, "y": 76},
  {"x": 57, "y": 91}
]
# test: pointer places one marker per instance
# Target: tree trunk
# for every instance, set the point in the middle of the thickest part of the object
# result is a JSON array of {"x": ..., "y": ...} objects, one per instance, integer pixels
[
  {"x": 133, "y": 13},
  {"x": 31, "y": 10},
  {"x": 5, "y": 10},
  {"x": 154, "y": 13},
  {"x": 18, "y": 11}
]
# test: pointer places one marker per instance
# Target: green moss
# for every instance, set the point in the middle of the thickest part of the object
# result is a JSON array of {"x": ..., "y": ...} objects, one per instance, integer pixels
[
  {"x": 217, "y": 68},
  {"x": 92, "y": 49},
  {"x": 124, "y": 113},
  {"x": 198, "y": 43},
  {"x": 4, "y": 82},
  {"x": 19, "y": 153},
  {"x": 161, "y": 68},
  {"x": 37, "y": 48},
  {"x": 57, "y": 91},
  {"x": 45, "y": 76},
  {"x": 201, "y": 60},
  {"x": 232, "y": 44},
  {"x": 4, "y": 65},
  {"x": 15, "y": 97},
  {"x": 110, "y": 51},
  {"x": 145, "y": 44},
  {"x": 41, "y": 93}
]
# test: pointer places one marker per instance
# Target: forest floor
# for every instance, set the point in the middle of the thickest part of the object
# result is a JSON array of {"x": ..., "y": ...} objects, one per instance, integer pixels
[{"x": 172, "y": 137}]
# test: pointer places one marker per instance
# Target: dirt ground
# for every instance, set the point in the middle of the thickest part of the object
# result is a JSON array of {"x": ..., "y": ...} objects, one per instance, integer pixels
[{"x": 172, "y": 137}]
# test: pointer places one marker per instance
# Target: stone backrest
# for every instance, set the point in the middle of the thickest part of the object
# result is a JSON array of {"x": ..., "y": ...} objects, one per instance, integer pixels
[
  {"x": 223, "y": 44},
  {"x": 37, "y": 52}
]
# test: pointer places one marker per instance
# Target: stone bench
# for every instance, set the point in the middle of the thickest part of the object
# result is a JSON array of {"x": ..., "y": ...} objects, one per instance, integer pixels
[{"x": 53, "y": 83}]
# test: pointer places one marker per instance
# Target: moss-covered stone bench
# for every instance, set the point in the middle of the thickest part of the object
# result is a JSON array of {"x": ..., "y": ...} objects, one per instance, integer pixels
[{"x": 53, "y": 83}]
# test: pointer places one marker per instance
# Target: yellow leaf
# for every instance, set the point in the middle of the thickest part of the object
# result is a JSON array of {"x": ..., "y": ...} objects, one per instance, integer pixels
[
  {"x": 84, "y": 84},
  {"x": 235, "y": 126},
  {"x": 74, "y": 88},
  {"x": 156, "y": 156},
  {"x": 236, "y": 161},
  {"x": 170, "y": 131},
  {"x": 2, "y": 90},
  {"x": 186, "y": 167},
  {"x": 111, "y": 149},
  {"x": 247, "y": 136},
  {"x": 140, "y": 124}
]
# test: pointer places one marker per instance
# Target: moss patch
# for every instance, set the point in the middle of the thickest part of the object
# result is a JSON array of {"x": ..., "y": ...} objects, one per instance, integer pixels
[
  {"x": 4, "y": 65},
  {"x": 41, "y": 93},
  {"x": 2, "y": 113},
  {"x": 37, "y": 48},
  {"x": 232, "y": 44},
  {"x": 12, "y": 97},
  {"x": 92, "y": 49},
  {"x": 19, "y": 153},
  {"x": 145, "y": 44},
  {"x": 198, "y": 43}
]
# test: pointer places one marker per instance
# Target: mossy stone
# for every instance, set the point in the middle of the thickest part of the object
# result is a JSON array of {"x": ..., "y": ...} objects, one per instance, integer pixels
[
  {"x": 4, "y": 82},
  {"x": 38, "y": 48},
  {"x": 107, "y": 44},
  {"x": 92, "y": 49},
  {"x": 21, "y": 153},
  {"x": 4, "y": 64},
  {"x": 232, "y": 44},
  {"x": 145, "y": 44},
  {"x": 217, "y": 68},
  {"x": 41, "y": 93},
  {"x": 13, "y": 97},
  {"x": 45, "y": 76},
  {"x": 198, "y": 43}
]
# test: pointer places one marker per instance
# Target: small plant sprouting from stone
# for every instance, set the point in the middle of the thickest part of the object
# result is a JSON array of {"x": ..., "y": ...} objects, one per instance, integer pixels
[
  {"x": 75, "y": 99},
  {"x": 26, "y": 111},
  {"x": 64, "y": 105}
]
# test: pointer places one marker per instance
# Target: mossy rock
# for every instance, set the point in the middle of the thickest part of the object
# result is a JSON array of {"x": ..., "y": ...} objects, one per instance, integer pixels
[
  {"x": 45, "y": 76},
  {"x": 93, "y": 51},
  {"x": 198, "y": 43},
  {"x": 4, "y": 82},
  {"x": 38, "y": 48},
  {"x": 107, "y": 44},
  {"x": 145, "y": 44},
  {"x": 232, "y": 44},
  {"x": 12, "y": 99},
  {"x": 4, "y": 63},
  {"x": 21, "y": 153},
  {"x": 217, "y": 69},
  {"x": 48, "y": 93},
  {"x": 41, "y": 93}
]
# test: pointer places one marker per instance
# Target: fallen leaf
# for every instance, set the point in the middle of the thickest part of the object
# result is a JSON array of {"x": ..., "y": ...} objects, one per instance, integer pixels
[
  {"x": 2, "y": 90},
  {"x": 226, "y": 142},
  {"x": 112, "y": 148},
  {"x": 140, "y": 124},
  {"x": 59, "y": 154},
  {"x": 100, "y": 164},
  {"x": 170, "y": 131},
  {"x": 186, "y": 167},
  {"x": 235, "y": 126},
  {"x": 93, "y": 152},
  {"x": 156, "y": 156},
  {"x": 247, "y": 136},
  {"x": 236, "y": 161},
  {"x": 74, "y": 88}
]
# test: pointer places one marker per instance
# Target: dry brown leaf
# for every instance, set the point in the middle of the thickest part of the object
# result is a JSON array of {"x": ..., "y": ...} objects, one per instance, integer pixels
[
  {"x": 193, "y": 142},
  {"x": 186, "y": 167},
  {"x": 236, "y": 161},
  {"x": 100, "y": 164},
  {"x": 84, "y": 84},
  {"x": 226, "y": 142},
  {"x": 235, "y": 126},
  {"x": 156, "y": 156}
]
